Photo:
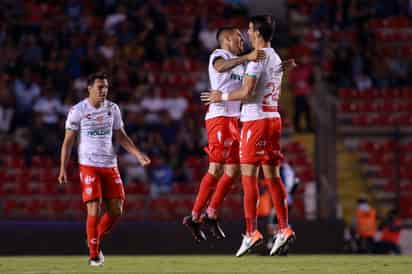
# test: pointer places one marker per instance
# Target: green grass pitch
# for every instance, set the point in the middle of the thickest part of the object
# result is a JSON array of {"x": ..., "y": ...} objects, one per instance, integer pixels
[{"x": 314, "y": 264}]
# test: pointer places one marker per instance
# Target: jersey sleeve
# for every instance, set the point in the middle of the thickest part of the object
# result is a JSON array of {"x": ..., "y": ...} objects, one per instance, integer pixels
[
  {"x": 73, "y": 120},
  {"x": 217, "y": 55},
  {"x": 117, "y": 118},
  {"x": 254, "y": 69}
]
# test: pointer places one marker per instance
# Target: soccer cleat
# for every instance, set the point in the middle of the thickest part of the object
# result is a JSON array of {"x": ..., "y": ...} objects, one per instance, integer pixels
[
  {"x": 194, "y": 227},
  {"x": 95, "y": 261},
  {"x": 214, "y": 227},
  {"x": 101, "y": 256},
  {"x": 249, "y": 242},
  {"x": 282, "y": 242}
]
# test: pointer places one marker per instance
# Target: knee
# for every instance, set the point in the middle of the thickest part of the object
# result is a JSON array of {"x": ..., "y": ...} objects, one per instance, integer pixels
[
  {"x": 93, "y": 208},
  {"x": 215, "y": 170},
  {"x": 116, "y": 211}
]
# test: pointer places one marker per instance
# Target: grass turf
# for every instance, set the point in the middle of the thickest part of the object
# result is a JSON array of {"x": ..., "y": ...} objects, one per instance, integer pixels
[{"x": 314, "y": 264}]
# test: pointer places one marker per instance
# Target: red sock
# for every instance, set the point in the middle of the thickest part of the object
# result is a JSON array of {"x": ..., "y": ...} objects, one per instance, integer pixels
[
  {"x": 222, "y": 189},
  {"x": 250, "y": 199},
  {"x": 92, "y": 239},
  {"x": 106, "y": 224},
  {"x": 279, "y": 199},
  {"x": 205, "y": 190}
]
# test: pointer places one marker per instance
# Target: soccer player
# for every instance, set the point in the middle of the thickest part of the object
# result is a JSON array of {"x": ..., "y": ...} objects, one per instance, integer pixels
[
  {"x": 260, "y": 136},
  {"x": 94, "y": 120},
  {"x": 226, "y": 71}
]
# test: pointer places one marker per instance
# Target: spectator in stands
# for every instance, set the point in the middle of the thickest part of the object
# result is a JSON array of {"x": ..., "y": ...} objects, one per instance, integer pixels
[
  {"x": 161, "y": 177},
  {"x": 301, "y": 82},
  {"x": 7, "y": 102},
  {"x": 391, "y": 234},
  {"x": 26, "y": 92},
  {"x": 208, "y": 37},
  {"x": 49, "y": 107},
  {"x": 365, "y": 225}
]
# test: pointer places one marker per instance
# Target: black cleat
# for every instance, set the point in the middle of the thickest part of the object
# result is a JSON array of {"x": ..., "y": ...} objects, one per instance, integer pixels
[
  {"x": 214, "y": 228},
  {"x": 194, "y": 228}
]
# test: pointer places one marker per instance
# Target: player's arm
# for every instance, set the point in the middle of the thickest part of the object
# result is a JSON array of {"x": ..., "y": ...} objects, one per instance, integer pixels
[
  {"x": 242, "y": 93},
  {"x": 223, "y": 65},
  {"x": 130, "y": 147},
  {"x": 66, "y": 149}
]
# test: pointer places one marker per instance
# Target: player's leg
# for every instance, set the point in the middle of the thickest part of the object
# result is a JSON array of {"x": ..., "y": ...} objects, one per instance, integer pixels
[
  {"x": 114, "y": 209},
  {"x": 93, "y": 211},
  {"x": 224, "y": 185},
  {"x": 253, "y": 237},
  {"x": 206, "y": 188},
  {"x": 92, "y": 195},
  {"x": 285, "y": 235},
  {"x": 113, "y": 197}
]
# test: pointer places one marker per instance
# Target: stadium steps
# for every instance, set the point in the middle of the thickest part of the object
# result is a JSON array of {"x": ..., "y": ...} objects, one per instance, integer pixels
[{"x": 350, "y": 182}]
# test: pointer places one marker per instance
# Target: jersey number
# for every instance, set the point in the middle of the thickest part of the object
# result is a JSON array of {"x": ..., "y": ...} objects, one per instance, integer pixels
[{"x": 272, "y": 96}]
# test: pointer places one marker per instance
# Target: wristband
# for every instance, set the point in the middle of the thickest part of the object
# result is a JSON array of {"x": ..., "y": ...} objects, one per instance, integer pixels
[{"x": 225, "y": 97}]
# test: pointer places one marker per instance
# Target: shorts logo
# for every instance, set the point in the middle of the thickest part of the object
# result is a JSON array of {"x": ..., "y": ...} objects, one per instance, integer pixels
[
  {"x": 118, "y": 181},
  {"x": 89, "y": 179},
  {"x": 88, "y": 190},
  {"x": 248, "y": 135},
  {"x": 219, "y": 136}
]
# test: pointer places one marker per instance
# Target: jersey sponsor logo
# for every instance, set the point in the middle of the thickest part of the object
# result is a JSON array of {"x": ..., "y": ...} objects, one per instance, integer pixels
[
  {"x": 99, "y": 118},
  {"x": 99, "y": 132},
  {"x": 260, "y": 152},
  {"x": 237, "y": 77}
]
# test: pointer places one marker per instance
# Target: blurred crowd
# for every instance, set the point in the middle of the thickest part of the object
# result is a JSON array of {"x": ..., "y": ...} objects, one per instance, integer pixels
[
  {"x": 346, "y": 38},
  {"x": 154, "y": 51}
]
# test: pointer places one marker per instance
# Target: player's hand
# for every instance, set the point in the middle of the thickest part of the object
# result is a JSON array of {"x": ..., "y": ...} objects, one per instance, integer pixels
[
  {"x": 212, "y": 96},
  {"x": 288, "y": 64},
  {"x": 256, "y": 55},
  {"x": 62, "y": 177},
  {"x": 143, "y": 159}
]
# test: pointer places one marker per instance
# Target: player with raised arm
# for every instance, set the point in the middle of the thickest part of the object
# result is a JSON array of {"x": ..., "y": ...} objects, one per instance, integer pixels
[
  {"x": 226, "y": 71},
  {"x": 260, "y": 136},
  {"x": 94, "y": 120}
]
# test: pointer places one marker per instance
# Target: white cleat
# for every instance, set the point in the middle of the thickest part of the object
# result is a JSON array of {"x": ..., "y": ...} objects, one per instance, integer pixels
[
  {"x": 101, "y": 257},
  {"x": 249, "y": 242},
  {"x": 95, "y": 262},
  {"x": 282, "y": 242}
]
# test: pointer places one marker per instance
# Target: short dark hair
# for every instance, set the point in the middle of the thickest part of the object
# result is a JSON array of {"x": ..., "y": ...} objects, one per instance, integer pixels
[
  {"x": 265, "y": 25},
  {"x": 221, "y": 31},
  {"x": 97, "y": 75}
]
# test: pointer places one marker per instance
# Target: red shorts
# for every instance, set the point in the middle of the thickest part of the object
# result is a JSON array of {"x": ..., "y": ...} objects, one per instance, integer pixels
[
  {"x": 223, "y": 140},
  {"x": 260, "y": 142},
  {"x": 101, "y": 182}
]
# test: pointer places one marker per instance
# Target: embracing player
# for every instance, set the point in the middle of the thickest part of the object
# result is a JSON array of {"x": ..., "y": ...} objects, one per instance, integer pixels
[
  {"x": 260, "y": 136},
  {"x": 94, "y": 120},
  {"x": 226, "y": 72}
]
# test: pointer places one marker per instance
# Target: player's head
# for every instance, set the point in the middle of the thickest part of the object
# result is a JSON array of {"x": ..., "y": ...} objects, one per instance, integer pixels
[
  {"x": 260, "y": 28},
  {"x": 98, "y": 86},
  {"x": 230, "y": 38}
]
